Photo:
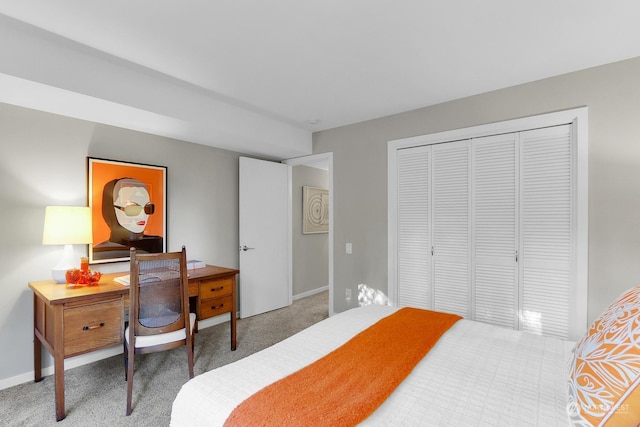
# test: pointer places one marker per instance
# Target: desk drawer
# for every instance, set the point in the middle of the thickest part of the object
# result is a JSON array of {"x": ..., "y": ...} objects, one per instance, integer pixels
[
  {"x": 215, "y": 288},
  {"x": 93, "y": 326},
  {"x": 214, "y": 307}
]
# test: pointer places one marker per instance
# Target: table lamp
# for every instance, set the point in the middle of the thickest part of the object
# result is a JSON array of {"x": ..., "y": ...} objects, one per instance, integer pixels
[{"x": 66, "y": 225}]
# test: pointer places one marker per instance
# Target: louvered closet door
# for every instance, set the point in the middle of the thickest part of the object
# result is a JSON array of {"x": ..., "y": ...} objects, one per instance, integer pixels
[
  {"x": 414, "y": 227},
  {"x": 494, "y": 246},
  {"x": 451, "y": 239},
  {"x": 546, "y": 230}
]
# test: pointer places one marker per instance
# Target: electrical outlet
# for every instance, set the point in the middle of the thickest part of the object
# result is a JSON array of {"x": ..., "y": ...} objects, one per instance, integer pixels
[
  {"x": 348, "y": 248},
  {"x": 347, "y": 294}
]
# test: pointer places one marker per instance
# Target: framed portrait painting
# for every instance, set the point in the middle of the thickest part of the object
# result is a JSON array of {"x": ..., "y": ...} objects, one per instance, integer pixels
[{"x": 129, "y": 209}]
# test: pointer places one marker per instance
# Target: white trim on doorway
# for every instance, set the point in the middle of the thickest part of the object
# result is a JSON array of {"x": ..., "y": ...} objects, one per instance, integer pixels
[{"x": 326, "y": 160}]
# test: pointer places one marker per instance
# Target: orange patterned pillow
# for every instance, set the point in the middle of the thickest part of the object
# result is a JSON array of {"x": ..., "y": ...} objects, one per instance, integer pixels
[{"x": 604, "y": 378}]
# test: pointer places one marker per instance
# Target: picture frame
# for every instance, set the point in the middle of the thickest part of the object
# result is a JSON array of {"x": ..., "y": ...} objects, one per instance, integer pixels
[
  {"x": 315, "y": 210},
  {"x": 128, "y": 204}
]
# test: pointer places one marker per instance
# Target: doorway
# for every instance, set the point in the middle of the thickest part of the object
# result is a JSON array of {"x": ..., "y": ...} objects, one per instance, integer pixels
[{"x": 323, "y": 165}]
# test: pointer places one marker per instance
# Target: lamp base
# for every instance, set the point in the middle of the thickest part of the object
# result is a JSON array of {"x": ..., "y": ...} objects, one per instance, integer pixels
[
  {"x": 59, "y": 275},
  {"x": 66, "y": 262}
]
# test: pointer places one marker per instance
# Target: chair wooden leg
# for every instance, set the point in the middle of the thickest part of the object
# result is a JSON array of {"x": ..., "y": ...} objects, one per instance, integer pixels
[
  {"x": 190, "y": 349},
  {"x": 130, "y": 381},
  {"x": 126, "y": 358}
]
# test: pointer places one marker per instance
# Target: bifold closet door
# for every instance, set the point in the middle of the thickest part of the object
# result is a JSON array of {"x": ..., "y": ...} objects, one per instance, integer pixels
[
  {"x": 451, "y": 228},
  {"x": 486, "y": 229},
  {"x": 547, "y": 206},
  {"x": 494, "y": 215},
  {"x": 414, "y": 227}
]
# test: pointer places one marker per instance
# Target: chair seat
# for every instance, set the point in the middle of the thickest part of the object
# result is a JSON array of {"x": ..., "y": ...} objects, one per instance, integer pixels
[{"x": 151, "y": 340}]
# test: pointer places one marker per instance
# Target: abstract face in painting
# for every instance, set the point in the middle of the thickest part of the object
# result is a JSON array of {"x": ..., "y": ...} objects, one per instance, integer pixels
[
  {"x": 132, "y": 204},
  {"x": 126, "y": 207}
]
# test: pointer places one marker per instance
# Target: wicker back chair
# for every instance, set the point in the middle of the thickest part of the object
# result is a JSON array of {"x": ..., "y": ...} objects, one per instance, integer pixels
[{"x": 159, "y": 317}]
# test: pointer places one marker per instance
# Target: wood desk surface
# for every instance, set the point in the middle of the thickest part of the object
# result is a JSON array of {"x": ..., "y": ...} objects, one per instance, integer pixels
[{"x": 60, "y": 293}]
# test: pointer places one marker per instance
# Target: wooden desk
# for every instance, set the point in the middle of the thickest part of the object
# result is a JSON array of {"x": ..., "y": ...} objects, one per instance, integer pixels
[{"x": 74, "y": 321}]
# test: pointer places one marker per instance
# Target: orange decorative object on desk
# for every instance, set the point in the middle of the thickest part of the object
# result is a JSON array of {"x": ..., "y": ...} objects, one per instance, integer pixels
[
  {"x": 73, "y": 276},
  {"x": 76, "y": 277}
]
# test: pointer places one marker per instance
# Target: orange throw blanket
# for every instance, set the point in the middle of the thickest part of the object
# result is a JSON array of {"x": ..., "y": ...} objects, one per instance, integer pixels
[{"x": 347, "y": 385}]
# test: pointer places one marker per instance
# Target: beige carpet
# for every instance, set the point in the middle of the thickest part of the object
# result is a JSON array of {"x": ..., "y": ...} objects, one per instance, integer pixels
[{"x": 96, "y": 393}]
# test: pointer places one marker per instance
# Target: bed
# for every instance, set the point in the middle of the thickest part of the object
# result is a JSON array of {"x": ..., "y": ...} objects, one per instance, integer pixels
[{"x": 476, "y": 374}]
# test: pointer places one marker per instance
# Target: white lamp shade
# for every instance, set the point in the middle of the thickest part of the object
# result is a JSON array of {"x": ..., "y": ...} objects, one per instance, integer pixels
[{"x": 67, "y": 225}]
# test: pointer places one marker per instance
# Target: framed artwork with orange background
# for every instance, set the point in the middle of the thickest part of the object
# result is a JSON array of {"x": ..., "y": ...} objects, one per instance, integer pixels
[{"x": 128, "y": 204}]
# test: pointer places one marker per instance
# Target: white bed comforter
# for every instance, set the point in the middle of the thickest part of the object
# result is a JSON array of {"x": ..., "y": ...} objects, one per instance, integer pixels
[{"x": 476, "y": 375}]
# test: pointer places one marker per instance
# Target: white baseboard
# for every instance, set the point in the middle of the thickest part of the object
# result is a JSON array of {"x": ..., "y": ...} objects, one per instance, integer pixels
[
  {"x": 94, "y": 356},
  {"x": 312, "y": 292}
]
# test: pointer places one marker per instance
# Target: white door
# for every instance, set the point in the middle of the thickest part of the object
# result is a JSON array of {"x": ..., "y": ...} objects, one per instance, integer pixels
[
  {"x": 451, "y": 228},
  {"x": 414, "y": 239},
  {"x": 547, "y": 227},
  {"x": 494, "y": 195},
  {"x": 264, "y": 236}
]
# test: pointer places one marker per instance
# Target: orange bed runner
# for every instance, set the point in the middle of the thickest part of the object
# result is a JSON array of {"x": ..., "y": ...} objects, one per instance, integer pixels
[{"x": 347, "y": 385}]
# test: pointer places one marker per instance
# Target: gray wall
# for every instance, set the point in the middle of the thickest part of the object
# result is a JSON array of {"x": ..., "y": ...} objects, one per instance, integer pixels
[
  {"x": 43, "y": 161},
  {"x": 612, "y": 94},
  {"x": 310, "y": 251}
]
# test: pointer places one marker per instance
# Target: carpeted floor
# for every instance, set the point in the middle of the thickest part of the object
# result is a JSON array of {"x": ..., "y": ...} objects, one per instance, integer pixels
[{"x": 96, "y": 393}]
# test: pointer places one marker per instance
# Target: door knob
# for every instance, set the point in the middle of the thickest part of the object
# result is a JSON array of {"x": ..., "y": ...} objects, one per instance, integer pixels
[{"x": 245, "y": 248}]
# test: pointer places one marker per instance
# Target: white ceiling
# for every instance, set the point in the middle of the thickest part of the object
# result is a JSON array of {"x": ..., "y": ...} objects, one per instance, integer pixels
[{"x": 315, "y": 65}]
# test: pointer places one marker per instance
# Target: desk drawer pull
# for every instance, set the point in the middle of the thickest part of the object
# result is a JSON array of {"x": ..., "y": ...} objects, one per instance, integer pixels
[
  {"x": 216, "y": 307},
  {"x": 88, "y": 328},
  {"x": 217, "y": 289}
]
